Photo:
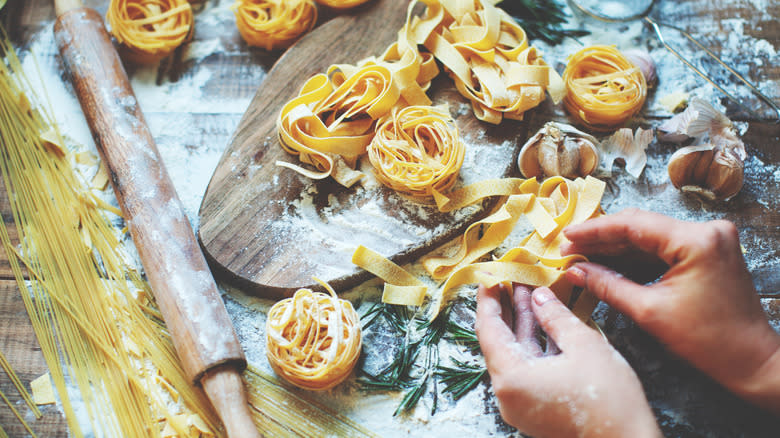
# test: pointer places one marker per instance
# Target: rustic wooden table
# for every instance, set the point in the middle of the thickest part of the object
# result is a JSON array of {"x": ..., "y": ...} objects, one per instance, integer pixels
[{"x": 675, "y": 390}]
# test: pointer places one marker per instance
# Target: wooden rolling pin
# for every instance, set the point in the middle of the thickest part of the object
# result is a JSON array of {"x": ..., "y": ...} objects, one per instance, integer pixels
[{"x": 179, "y": 277}]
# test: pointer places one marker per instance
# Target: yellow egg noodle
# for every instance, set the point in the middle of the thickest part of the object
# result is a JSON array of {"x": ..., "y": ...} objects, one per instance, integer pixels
[
  {"x": 549, "y": 207},
  {"x": 100, "y": 333},
  {"x": 604, "y": 89},
  {"x": 341, "y": 4},
  {"x": 150, "y": 30},
  {"x": 274, "y": 24},
  {"x": 332, "y": 120},
  {"x": 487, "y": 55},
  {"x": 417, "y": 150},
  {"x": 313, "y": 339},
  {"x": 335, "y": 116}
]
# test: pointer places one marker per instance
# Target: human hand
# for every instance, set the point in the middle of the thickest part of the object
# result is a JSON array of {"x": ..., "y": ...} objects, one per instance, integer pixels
[
  {"x": 704, "y": 308},
  {"x": 587, "y": 390}
]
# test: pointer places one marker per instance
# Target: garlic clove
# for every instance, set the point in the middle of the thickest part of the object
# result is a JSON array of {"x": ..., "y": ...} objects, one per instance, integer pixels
[
  {"x": 558, "y": 149},
  {"x": 642, "y": 59}
]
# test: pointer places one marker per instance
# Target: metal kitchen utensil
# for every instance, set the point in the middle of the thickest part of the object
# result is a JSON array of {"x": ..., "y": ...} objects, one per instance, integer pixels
[{"x": 629, "y": 10}]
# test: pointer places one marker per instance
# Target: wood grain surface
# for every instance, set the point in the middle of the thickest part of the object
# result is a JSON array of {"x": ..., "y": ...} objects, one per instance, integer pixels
[
  {"x": 250, "y": 228},
  {"x": 672, "y": 387}
]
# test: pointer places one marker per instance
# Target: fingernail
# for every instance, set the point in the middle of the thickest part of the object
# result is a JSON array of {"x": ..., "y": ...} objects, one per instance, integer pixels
[
  {"x": 543, "y": 295},
  {"x": 578, "y": 274}
]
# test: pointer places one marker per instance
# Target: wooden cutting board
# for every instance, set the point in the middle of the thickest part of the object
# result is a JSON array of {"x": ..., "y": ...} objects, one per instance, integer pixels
[{"x": 269, "y": 230}]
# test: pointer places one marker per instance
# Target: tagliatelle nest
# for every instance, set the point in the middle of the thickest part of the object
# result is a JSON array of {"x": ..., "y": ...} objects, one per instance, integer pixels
[
  {"x": 341, "y": 4},
  {"x": 313, "y": 339},
  {"x": 274, "y": 24},
  {"x": 149, "y": 30},
  {"x": 417, "y": 150},
  {"x": 604, "y": 89}
]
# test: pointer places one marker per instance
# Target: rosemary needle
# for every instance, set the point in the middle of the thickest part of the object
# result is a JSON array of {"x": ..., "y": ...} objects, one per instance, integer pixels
[{"x": 542, "y": 19}]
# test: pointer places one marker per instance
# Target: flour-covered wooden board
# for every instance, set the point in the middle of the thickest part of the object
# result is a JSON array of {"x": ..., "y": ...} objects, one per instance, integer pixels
[{"x": 270, "y": 230}]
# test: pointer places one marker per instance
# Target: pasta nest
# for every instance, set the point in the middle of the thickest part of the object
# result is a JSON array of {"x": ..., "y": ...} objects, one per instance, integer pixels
[
  {"x": 274, "y": 24},
  {"x": 341, "y": 4},
  {"x": 150, "y": 30},
  {"x": 604, "y": 89},
  {"x": 417, "y": 151},
  {"x": 331, "y": 122},
  {"x": 313, "y": 339},
  {"x": 488, "y": 57}
]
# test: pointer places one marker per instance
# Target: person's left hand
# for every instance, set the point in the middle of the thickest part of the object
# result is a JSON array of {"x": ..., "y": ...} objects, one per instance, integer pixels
[{"x": 585, "y": 389}]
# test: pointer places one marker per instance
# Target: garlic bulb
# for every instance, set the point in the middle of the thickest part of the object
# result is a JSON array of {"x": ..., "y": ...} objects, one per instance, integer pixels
[
  {"x": 558, "y": 149},
  {"x": 707, "y": 170},
  {"x": 643, "y": 60},
  {"x": 714, "y": 170}
]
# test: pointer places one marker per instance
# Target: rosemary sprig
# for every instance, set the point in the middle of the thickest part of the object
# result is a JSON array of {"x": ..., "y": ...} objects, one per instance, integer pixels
[
  {"x": 461, "y": 378},
  {"x": 541, "y": 19},
  {"x": 466, "y": 337}
]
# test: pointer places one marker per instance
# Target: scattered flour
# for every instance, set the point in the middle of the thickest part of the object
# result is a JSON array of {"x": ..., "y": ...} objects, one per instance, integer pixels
[{"x": 191, "y": 125}]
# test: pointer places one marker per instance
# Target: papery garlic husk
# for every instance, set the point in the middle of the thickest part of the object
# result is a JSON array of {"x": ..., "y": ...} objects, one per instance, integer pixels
[
  {"x": 629, "y": 146},
  {"x": 697, "y": 120},
  {"x": 713, "y": 171},
  {"x": 642, "y": 59},
  {"x": 559, "y": 149}
]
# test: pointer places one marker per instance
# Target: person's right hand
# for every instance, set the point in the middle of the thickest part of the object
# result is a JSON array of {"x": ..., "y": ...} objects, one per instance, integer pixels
[{"x": 704, "y": 308}]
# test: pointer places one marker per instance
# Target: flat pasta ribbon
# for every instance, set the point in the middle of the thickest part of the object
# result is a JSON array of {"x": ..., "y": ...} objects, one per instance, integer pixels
[
  {"x": 274, "y": 24},
  {"x": 149, "y": 30},
  {"x": 333, "y": 119},
  {"x": 341, "y": 4},
  {"x": 604, "y": 89},
  {"x": 417, "y": 150},
  {"x": 487, "y": 55},
  {"x": 549, "y": 207},
  {"x": 313, "y": 339}
]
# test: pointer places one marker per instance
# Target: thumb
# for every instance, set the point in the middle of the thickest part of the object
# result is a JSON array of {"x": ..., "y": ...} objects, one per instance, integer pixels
[
  {"x": 559, "y": 323},
  {"x": 610, "y": 287}
]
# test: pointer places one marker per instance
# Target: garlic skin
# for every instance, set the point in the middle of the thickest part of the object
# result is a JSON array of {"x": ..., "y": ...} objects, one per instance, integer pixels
[
  {"x": 642, "y": 59},
  {"x": 559, "y": 149},
  {"x": 628, "y": 146}
]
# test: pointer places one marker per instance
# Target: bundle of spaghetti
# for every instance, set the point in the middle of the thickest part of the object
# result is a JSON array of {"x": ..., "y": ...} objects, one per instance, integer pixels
[
  {"x": 341, "y": 4},
  {"x": 149, "y": 30},
  {"x": 332, "y": 120},
  {"x": 313, "y": 339},
  {"x": 417, "y": 150},
  {"x": 91, "y": 312},
  {"x": 102, "y": 337},
  {"x": 604, "y": 89},
  {"x": 274, "y": 24},
  {"x": 535, "y": 260},
  {"x": 487, "y": 55}
]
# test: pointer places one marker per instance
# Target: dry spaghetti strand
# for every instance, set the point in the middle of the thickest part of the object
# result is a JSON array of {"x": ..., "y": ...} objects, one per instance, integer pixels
[
  {"x": 150, "y": 30},
  {"x": 604, "y": 89},
  {"x": 417, "y": 151},
  {"x": 274, "y": 24},
  {"x": 313, "y": 339}
]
